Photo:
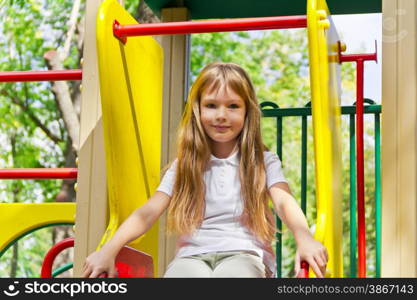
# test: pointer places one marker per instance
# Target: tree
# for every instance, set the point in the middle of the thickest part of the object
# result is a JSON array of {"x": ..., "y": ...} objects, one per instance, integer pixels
[{"x": 41, "y": 120}]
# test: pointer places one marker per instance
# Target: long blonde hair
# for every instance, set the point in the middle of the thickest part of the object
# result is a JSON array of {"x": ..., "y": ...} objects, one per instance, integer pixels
[{"x": 186, "y": 209}]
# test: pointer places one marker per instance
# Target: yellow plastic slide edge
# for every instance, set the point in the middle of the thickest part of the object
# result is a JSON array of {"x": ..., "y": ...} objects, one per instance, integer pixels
[
  {"x": 131, "y": 98},
  {"x": 325, "y": 89}
]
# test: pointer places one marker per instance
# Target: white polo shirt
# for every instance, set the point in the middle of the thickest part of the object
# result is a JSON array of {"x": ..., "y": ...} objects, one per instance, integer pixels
[{"x": 221, "y": 229}]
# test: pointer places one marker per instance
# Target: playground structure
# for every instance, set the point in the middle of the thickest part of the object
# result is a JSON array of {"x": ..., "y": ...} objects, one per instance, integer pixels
[{"x": 142, "y": 151}]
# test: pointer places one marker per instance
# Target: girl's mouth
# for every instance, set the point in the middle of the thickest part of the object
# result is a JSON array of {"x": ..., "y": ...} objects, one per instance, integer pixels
[{"x": 221, "y": 128}]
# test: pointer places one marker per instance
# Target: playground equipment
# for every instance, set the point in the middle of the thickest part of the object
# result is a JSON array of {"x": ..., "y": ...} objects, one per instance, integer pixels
[
  {"x": 118, "y": 73},
  {"x": 131, "y": 95}
]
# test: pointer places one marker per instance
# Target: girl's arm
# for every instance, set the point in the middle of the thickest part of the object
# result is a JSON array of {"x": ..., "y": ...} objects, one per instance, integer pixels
[
  {"x": 139, "y": 222},
  {"x": 290, "y": 213}
]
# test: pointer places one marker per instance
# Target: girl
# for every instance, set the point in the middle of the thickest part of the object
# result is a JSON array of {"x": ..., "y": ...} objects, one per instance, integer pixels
[{"x": 217, "y": 191}]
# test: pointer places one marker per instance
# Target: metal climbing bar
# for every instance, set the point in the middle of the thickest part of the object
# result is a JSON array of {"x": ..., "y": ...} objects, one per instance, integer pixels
[
  {"x": 121, "y": 32},
  {"x": 272, "y": 110},
  {"x": 378, "y": 196},
  {"x": 39, "y": 173},
  {"x": 54, "y": 75},
  {"x": 352, "y": 197}
]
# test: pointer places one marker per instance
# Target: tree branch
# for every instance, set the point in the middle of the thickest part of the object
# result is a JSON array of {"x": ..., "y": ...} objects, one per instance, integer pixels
[
  {"x": 72, "y": 23},
  {"x": 32, "y": 116},
  {"x": 62, "y": 96},
  {"x": 76, "y": 94},
  {"x": 145, "y": 14}
]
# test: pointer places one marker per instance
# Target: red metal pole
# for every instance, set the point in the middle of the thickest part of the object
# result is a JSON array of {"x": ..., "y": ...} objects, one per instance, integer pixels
[
  {"x": 359, "y": 59},
  {"x": 187, "y": 27},
  {"x": 58, "y": 173},
  {"x": 20, "y": 76},
  {"x": 360, "y": 171}
]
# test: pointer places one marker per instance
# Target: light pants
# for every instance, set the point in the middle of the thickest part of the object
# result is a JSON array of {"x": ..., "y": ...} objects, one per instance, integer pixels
[{"x": 217, "y": 264}]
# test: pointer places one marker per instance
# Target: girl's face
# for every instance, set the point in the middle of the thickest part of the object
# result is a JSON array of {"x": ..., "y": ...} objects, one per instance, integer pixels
[{"x": 222, "y": 114}]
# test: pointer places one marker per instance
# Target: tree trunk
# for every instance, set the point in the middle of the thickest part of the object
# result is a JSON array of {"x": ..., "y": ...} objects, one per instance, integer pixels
[
  {"x": 15, "y": 254},
  {"x": 14, "y": 259},
  {"x": 63, "y": 98},
  {"x": 59, "y": 233},
  {"x": 68, "y": 101},
  {"x": 145, "y": 14}
]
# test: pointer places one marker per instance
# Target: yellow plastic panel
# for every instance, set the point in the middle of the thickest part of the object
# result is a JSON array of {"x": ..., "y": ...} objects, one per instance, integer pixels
[
  {"x": 325, "y": 89},
  {"x": 17, "y": 219},
  {"x": 131, "y": 98}
]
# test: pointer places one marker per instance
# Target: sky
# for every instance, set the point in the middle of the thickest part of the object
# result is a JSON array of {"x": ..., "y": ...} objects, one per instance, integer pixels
[{"x": 359, "y": 33}]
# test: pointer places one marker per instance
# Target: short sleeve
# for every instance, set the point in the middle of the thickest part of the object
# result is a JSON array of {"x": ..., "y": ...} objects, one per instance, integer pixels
[
  {"x": 167, "y": 182},
  {"x": 273, "y": 168}
]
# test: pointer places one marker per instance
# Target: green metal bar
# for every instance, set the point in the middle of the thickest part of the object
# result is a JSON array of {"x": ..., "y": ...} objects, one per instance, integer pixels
[
  {"x": 278, "y": 220},
  {"x": 378, "y": 204},
  {"x": 278, "y": 235},
  {"x": 306, "y": 111},
  {"x": 304, "y": 164},
  {"x": 353, "y": 226},
  {"x": 62, "y": 269}
]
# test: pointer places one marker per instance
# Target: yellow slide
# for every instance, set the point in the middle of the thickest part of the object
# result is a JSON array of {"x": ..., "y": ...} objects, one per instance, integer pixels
[
  {"x": 131, "y": 98},
  {"x": 19, "y": 219},
  {"x": 325, "y": 89}
]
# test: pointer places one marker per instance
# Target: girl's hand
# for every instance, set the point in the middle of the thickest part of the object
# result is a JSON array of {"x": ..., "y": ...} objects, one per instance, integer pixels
[
  {"x": 314, "y": 253},
  {"x": 97, "y": 263}
]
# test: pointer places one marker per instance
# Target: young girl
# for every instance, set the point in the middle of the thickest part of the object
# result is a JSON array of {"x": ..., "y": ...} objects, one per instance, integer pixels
[{"x": 217, "y": 191}]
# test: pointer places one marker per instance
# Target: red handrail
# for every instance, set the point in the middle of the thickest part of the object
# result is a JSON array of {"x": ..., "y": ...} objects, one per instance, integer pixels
[
  {"x": 186, "y": 27},
  {"x": 40, "y": 173},
  {"x": 47, "y": 264},
  {"x": 54, "y": 75}
]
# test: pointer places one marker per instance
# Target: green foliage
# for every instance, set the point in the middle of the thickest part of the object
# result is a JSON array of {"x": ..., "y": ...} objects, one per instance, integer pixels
[
  {"x": 29, "y": 29},
  {"x": 132, "y": 7}
]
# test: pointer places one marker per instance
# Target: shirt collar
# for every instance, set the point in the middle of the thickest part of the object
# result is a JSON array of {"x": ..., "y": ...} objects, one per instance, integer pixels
[{"x": 233, "y": 159}]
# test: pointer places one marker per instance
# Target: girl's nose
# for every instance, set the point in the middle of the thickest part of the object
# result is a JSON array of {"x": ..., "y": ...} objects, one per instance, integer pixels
[{"x": 221, "y": 113}]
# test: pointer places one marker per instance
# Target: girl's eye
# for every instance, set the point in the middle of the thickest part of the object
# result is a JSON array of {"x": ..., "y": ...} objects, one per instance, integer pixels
[
  {"x": 210, "y": 105},
  {"x": 234, "y": 106}
]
